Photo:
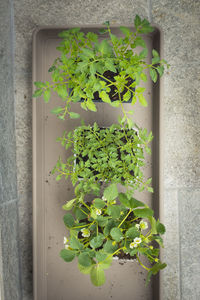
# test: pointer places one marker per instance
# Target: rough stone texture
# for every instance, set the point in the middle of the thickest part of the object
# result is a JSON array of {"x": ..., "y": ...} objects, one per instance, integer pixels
[
  {"x": 180, "y": 22},
  {"x": 189, "y": 216},
  {"x": 171, "y": 275},
  {"x": 9, "y": 251}
]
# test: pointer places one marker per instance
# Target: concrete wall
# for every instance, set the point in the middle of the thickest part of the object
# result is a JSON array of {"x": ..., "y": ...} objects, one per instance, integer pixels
[
  {"x": 9, "y": 235},
  {"x": 180, "y": 22}
]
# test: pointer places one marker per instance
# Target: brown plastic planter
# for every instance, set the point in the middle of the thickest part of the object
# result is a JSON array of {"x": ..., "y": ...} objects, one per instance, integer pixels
[{"x": 53, "y": 278}]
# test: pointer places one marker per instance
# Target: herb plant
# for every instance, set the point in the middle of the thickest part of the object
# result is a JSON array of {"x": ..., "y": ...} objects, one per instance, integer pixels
[{"x": 104, "y": 222}]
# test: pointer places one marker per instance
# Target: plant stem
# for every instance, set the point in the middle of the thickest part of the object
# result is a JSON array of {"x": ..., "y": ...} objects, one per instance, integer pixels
[
  {"x": 130, "y": 210},
  {"x": 148, "y": 269}
]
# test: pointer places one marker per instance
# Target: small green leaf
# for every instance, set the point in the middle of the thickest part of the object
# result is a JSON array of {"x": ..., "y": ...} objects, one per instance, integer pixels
[
  {"x": 153, "y": 74},
  {"x": 126, "y": 31},
  {"x": 97, "y": 275},
  {"x": 137, "y": 21},
  {"x": 135, "y": 203},
  {"x": 37, "y": 93},
  {"x": 84, "y": 270},
  {"x": 104, "y": 96},
  {"x": 69, "y": 204},
  {"x": 57, "y": 110},
  {"x": 155, "y": 53},
  {"x": 75, "y": 244},
  {"x": 90, "y": 105},
  {"x": 101, "y": 256},
  {"x": 160, "y": 70},
  {"x": 97, "y": 241},
  {"x": 143, "y": 212},
  {"x": 111, "y": 192},
  {"x": 98, "y": 203},
  {"x": 67, "y": 255},
  {"x": 160, "y": 227},
  {"x": 47, "y": 95},
  {"x": 68, "y": 220},
  {"x": 116, "y": 234},
  {"x": 153, "y": 224},
  {"x": 142, "y": 100},
  {"x": 157, "y": 267},
  {"x": 74, "y": 115},
  {"x": 84, "y": 260}
]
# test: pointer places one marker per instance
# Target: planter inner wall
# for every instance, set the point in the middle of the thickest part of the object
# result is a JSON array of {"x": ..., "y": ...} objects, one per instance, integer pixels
[{"x": 53, "y": 278}]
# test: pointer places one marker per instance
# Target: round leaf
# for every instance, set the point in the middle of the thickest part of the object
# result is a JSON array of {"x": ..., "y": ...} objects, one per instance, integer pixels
[
  {"x": 67, "y": 255},
  {"x": 116, "y": 234}
]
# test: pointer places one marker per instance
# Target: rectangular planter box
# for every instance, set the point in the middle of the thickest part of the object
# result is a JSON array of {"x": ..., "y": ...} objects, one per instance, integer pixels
[{"x": 54, "y": 279}]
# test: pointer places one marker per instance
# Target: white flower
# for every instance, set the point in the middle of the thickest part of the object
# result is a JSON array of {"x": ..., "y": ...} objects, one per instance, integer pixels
[
  {"x": 143, "y": 225},
  {"x": 104, "y": 198},
  {"x": 135, "y": 243},
  {"x": 65, "y": 241},
  {"x": 98, "y": 212},
  {"x": 85, "y": 232},
  {"x": 66, "y": 246},
  {"x": 137, "y": 240}
]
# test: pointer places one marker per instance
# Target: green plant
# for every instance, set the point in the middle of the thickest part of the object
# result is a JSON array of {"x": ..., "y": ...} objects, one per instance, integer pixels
[{"x": 105, "y": 222}]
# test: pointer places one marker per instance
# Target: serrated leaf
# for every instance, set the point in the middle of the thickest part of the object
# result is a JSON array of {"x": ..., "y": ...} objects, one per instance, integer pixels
[
  {"x": 153, "y": 74},
  {"x": 74, "y": 115},
  {"x": 155, "y": 53},
  {"x": 84, "y": 270},
  {"x": 123, "y": 199},
  {"x": 46, "y": 95},
  {"x": 111, "y": 192},
  {"x": 97, "y": 275},
  {"x": 127, "y": 96},
  {"x": 143, "y": 76},
  {"x": 98, "y": 203},
  {"x": 109, "y": 247},
  {"x": 160, "y": 227},
  {"x": 90, "y": 105},
  {"x": 105, "y": 264},
  {"x": 142, "y": 100},
  {"x": 125, "y": 30},
  {"x": 116, "y": 234},
  {"x": 68, "y": 220},
  {"x": 132, "y": 233},
  {"x": 57, "y": 110},
  {"x": 114, "y": 211},
  {"x": 135, "y": 203},
  {"x": 84, "y": 260},
  {"x": 101, "y": 256},
  {"x": 137, "y": 21},
  {"x": 37, "y": 93},
  {"x": 160, "y": 70},
  {"x": 74, "y": 243},
  {"x": 157, "y": 267},
  {"x": 152, "y": 221},
  {"x": 143, "y": 212},
  {"x": 97, "y": 241},
  {"x": 67, "y": 255},
  {"x": 69, "y": 204},
  {"x": 104, "y": 96}
]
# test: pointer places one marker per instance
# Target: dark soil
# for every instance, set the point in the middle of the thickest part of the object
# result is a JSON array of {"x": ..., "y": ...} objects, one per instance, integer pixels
[{"x": 113, "y": 94}]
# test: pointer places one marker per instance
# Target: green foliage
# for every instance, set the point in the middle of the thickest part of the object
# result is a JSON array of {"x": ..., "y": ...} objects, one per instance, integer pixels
[
  {"x": 80, "y": 71},
  {"x": 101, "y": 162}
]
